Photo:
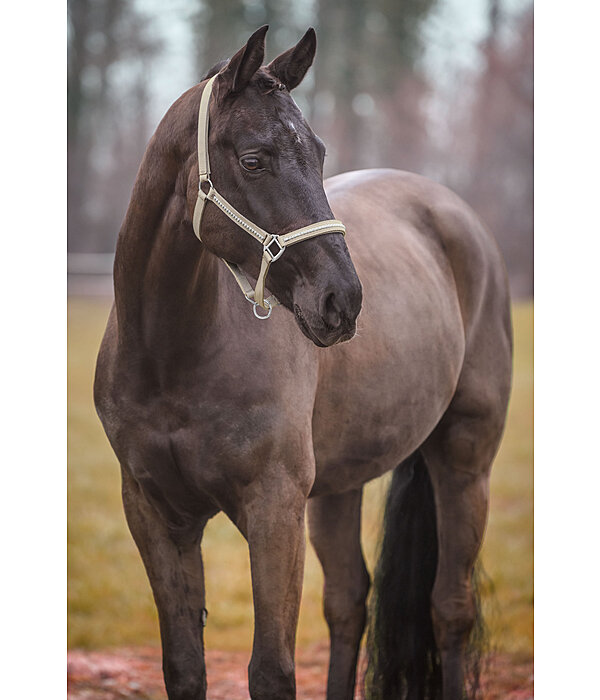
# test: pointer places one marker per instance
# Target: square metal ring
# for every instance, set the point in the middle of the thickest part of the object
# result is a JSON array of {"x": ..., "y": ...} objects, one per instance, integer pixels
[{"x": 279, "y": 253}]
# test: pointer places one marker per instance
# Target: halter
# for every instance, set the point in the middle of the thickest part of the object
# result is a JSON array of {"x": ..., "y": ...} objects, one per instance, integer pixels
[{"x": 274, "y": 245}]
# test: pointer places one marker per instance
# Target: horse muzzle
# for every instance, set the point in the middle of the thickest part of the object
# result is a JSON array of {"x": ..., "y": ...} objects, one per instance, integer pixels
[{"x": 334, "y": 320}]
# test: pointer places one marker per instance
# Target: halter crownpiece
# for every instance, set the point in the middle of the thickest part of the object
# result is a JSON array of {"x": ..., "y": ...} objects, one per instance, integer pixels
[{"x": 274, "y": 245}]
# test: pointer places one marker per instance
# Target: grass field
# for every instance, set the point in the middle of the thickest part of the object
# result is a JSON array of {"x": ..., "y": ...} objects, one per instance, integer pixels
[{"x": 109, "y": 598}]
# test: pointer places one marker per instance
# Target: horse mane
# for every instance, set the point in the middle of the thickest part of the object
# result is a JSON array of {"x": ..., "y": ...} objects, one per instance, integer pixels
[{"x": 215, "y": 69}]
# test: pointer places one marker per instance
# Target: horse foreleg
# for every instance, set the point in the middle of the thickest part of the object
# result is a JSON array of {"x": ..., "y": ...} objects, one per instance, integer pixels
[
  {"x": 335, "y": 534},
  {"x": 174, "y": 568},
  {"x": 458, "y": 456},
  {"x": 274, "y": 515}
]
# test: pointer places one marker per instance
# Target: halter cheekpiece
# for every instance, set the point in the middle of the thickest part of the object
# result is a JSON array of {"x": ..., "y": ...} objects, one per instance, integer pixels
[{"x": 274, "y": 245}]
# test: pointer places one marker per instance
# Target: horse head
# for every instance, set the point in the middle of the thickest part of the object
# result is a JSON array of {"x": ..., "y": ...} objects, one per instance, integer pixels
[{"x": 266, "y": 160}]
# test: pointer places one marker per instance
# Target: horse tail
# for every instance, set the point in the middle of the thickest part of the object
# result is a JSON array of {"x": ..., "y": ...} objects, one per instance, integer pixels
[{"x": 403, "y": 658}]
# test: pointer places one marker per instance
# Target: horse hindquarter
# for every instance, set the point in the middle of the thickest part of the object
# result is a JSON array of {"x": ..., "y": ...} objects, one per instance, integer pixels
[{"x": 440, "y": 368}]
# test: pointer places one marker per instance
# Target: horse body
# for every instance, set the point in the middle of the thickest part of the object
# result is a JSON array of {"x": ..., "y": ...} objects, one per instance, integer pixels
[
  {"x": 209, "y": 410},
  {"x": 374, "y": 403}
]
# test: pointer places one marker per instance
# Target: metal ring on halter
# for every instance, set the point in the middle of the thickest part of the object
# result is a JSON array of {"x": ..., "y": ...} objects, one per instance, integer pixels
[
  {"x": 203, "y": 179},
  {"x": 255, "y": 304}
]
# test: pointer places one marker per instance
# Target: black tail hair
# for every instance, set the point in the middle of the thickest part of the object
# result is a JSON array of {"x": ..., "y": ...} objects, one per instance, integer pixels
[{"x": 403, "y": 659}]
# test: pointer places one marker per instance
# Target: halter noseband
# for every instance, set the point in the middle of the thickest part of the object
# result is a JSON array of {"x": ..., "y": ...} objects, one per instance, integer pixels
[{"x": 273, "y": 245}]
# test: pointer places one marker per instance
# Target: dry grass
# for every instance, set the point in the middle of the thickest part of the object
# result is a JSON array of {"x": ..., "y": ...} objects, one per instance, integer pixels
[
  {"x": 110, "y": 603},
  {"x": 508, "y": 547}
]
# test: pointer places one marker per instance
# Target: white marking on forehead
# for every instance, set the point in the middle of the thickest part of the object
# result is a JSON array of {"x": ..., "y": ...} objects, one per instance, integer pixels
[{"x": 292, "y": 127}]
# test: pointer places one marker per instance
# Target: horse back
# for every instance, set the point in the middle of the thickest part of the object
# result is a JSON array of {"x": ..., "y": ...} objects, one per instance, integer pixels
[{"x": 391, "y": 211}]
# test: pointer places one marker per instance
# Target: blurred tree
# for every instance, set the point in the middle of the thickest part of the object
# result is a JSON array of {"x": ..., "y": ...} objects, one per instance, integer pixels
[
  {"x": 494, "y": 141},
  {"x": 395, "y": 40},
  {"x": 221, "y": 28},
  {"x": 366, "y": 52},
  {"x": 218, "y": 29},
  {"x": 339, "y": 78},
  {"x": 402, "y": 89},
  {"x": 104, "y": 36}
]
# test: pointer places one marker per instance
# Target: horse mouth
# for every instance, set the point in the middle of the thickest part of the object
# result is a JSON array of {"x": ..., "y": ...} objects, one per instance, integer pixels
[
  {"x": 305, "y": 328},
  {"x": 333, "y": 337}
]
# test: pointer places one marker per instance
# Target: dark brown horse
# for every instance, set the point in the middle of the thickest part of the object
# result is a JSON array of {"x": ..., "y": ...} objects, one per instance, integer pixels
[{"x": 210, "y": 410}]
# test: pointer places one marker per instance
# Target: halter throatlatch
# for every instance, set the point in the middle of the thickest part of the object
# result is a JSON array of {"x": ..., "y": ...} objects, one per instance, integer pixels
[{"x": 274, "y": 245}]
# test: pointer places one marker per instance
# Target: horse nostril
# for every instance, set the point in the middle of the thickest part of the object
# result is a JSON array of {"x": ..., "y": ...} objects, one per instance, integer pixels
[{"x": 332, "y": 315}]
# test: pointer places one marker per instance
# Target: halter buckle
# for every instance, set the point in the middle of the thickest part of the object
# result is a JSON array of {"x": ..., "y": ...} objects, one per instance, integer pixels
[{"x": 279, "y": 253}]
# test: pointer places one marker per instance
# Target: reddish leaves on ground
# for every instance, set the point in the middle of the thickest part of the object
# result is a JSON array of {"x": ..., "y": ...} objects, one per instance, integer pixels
[{"x": 135, "y": 673}]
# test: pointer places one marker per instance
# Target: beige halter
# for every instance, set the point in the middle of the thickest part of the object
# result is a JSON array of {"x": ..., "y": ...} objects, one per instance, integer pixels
[{"x": 273, "y": 245}]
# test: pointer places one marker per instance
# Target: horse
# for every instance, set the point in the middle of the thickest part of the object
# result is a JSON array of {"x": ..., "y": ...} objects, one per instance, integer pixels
[{"x": 277, "y": 421}]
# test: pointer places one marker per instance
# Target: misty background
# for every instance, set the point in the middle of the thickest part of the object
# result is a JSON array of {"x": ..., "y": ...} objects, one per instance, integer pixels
[{"x": 439, "y": 87}]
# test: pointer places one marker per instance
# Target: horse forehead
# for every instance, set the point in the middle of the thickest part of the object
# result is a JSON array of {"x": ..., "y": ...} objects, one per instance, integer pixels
[
  {"x": 274, "y": 116},
  {"x": 291, "y": 122},
  {"x": 284, "y": 127},
  {"x": 283, "y": 114},
  {"x": 289, "y": 125}
]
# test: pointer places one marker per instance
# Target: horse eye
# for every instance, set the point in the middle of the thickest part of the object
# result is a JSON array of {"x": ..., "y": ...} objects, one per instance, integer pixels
[{"x": 250, "y": 163}]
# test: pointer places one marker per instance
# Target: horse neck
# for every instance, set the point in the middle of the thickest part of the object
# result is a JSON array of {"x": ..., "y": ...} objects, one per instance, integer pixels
[{"x": 165, "y": 280}]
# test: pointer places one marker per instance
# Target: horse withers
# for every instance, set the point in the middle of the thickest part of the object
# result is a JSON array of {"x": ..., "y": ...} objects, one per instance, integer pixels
[{"x": 209, "y": 409}]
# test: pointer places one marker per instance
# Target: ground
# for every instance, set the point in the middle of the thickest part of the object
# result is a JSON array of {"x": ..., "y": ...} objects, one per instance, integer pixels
[{"x": 135, "y": 672}]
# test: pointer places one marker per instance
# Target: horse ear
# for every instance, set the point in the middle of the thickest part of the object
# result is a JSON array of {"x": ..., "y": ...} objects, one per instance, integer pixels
[
  {"x": 244, "y": 64},
  {"x": 291, "y": 66}
]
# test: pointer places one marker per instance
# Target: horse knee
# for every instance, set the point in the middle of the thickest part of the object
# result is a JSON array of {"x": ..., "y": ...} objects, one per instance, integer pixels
[
  {"x": 453, "y": 617},
  {"x": 271, "y": 679}
]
